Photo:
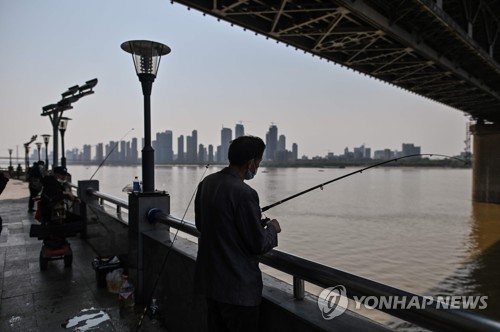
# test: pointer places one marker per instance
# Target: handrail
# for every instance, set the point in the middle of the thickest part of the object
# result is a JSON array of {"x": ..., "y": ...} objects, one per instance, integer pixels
[
  {"x": 432, "y": 316},
  {"x": 120, "y": 203}
]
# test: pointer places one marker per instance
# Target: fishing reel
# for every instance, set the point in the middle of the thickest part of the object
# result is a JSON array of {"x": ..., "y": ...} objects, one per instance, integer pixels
[{"x": 264, "y": 221}]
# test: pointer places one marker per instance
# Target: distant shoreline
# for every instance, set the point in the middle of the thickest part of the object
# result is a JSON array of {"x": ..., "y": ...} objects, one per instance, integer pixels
[
  {"x": 423, "y": 162},
  {"x": 320, "y": 163}
]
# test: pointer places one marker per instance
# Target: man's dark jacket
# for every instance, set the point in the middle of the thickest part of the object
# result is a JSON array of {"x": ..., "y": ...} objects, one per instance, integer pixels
[{"x": 227, "y": 213}]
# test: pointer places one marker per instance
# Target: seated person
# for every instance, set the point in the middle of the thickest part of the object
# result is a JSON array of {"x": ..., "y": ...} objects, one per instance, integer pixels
[{"x": 55, "y": 192}]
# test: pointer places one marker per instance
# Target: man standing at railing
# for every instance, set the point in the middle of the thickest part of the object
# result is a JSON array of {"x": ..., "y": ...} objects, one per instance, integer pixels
[{"x": 228, "y": 216}]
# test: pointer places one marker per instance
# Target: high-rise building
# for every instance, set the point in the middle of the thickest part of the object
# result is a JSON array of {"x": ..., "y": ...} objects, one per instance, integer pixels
[
  {"x": 271, "y": 142},
  {"x": 362, "y": 152},
  {"x": 129, "y": 151},
  {"x": 281, "y": 143},
  {"x": 99, "y": 153},
  {"x": 202, "y": 153},
  {"x": 164, "y": 151},
  {"x": 194, "y": 142},
  {"x": 86, "y": 156},
  {"x": 112, "y": 151},
  {"x": 385, "y": 154},
  {"x": 239, "y": 130},
  {"x": 189, "y": 150},
  {"x": 180, "y": 149},
  {"x": 226, "y": 135},
  {"x": 295, "y": 152},
  {"x": 134, "y": 151},
  {"x": 210, "y": 153},
  {"x": 122, "y": 155},
  {"x": 218, "y": 153},
  {"x": 192, "y": 147},
  {"x": 409, "y": 149}
]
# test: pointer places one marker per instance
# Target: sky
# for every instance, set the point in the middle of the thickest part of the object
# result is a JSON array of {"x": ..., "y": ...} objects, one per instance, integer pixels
[{"x": 217, "y": 75}]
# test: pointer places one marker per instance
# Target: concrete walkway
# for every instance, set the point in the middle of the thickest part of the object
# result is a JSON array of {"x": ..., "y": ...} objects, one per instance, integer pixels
[{"x": 58, "y": 299}]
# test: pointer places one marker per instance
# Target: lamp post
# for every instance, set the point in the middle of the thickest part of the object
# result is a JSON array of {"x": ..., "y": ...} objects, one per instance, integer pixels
[
  {"x": 146, "y": 56},
  {"x": 55, "y": 111},
  {"x": 10, "y": 162},
  {"x": 27, "y": 151},
  {"x": 39, "y": 146},
  {"x": 63, "y": 124},
  {"x": 46, "y": 138}
]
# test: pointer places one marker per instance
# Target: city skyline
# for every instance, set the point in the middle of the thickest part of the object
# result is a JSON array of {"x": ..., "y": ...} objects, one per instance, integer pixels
[
  {"x": 216, "y": 74},
  {"x": 188, "y": 150},
  {"x": 166, "y": 153}
]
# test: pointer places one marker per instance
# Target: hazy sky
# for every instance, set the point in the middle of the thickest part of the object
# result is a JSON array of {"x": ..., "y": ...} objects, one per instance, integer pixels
[{"x": 215, "y": 76}]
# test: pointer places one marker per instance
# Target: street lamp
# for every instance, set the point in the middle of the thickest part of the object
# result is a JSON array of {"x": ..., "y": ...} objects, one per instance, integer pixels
[
  {"x": 55, "y": 111},
  {"x": 63, "y": 124},
  {"x": 46, "y": 138},
  {"x": 10, "y": 161},
  {"x": 146, "y": 56},
  {"x": 39, "y": 146},
  {"x": 27, "y": 151}
]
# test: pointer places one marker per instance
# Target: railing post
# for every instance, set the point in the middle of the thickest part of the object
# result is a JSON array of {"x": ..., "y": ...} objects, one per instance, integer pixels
[
  {"x": 298, "y": 288},
  {"x": 85, "y": 199},
  {"x": 139, "y": 204}
]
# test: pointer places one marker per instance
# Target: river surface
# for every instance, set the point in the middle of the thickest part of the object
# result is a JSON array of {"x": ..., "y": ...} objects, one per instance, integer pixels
[{"x": 416, "y": 229}]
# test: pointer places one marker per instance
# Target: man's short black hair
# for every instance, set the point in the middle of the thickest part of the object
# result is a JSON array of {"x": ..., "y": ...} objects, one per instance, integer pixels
[
  {"x": 60, "y": 170},
  {"x": 245, "y": 148}
]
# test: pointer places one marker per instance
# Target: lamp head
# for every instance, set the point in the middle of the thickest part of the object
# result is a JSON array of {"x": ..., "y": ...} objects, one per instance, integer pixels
[
  {"x": 46, "y": 138},
  {"x": 47, "y": 109},
  {"x": 71, "y": 91},
  {"x": 63, "y": 123},
  {"x": 88, "y": 86},
  {"x": 146, "y": 55}
]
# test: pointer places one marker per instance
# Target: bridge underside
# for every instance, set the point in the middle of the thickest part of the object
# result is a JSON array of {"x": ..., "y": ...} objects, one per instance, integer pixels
[{"x": 445, "y": 50}]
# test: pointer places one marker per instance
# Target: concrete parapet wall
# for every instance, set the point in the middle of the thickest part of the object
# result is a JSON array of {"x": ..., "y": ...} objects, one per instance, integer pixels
[
  {"x": 107, "y": 235},
  {"x": 184, "y": 310}
]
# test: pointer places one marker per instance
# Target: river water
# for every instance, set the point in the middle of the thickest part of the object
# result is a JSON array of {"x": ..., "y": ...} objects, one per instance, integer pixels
[{"x": 416, "y": 229}]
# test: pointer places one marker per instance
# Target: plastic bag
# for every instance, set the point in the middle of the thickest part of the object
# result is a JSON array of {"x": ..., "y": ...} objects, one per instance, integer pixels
[{"x": 114, "y": 280}]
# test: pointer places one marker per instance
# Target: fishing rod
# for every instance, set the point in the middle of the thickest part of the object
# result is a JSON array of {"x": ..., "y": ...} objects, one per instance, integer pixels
[
  {"x": 320, "y": 186},
  {"x": 110, "y": 152}
]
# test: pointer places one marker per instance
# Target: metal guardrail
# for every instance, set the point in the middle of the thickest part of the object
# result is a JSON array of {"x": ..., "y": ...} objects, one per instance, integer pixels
[
  {"x": 431, "y": 317},
  {"x": 119, "y": 203},
  {"x": 320, "y": 275}
]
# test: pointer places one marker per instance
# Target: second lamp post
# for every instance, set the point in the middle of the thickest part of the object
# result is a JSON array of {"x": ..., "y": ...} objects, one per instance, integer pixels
[{"x": 63, "y": 124}]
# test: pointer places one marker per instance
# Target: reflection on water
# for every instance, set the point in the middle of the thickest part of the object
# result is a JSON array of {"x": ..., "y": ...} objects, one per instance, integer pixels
[{"x": 412, "y": 228}]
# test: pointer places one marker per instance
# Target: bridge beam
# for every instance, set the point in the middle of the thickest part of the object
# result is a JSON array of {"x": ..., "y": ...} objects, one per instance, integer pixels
[{"x": 486, "y": 166}]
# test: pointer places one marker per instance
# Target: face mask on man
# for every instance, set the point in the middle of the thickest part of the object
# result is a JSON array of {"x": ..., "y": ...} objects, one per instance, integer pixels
[{"x": 249, "y": 175}]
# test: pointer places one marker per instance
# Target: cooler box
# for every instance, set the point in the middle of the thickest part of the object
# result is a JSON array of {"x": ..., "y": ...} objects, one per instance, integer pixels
[{"x": 102, "y": 267}]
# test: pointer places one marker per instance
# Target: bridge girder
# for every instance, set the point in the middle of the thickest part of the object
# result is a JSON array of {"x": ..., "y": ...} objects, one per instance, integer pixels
[{"x": 445, "y": 50}]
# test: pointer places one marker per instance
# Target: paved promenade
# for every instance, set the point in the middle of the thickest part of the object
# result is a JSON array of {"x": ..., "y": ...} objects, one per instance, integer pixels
[{"x": 58, "y": 299}]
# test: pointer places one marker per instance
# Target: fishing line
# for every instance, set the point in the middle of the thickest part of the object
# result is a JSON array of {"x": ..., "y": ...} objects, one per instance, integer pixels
[
  {"x": 320, "y": 186},
  {"x": 110, "y": 152},
  {"x": 169, "y": 250}
]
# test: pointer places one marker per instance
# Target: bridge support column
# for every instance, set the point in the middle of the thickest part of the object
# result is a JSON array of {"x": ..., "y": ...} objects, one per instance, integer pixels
[{"x": 486, "y": 165}]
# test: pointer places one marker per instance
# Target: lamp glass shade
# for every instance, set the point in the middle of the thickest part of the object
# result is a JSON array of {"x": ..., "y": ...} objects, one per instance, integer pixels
[
  {"x": 146, "y": 55},
  {"x": 46, "y": 138},
  {"x": 63, "y": 123}
]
